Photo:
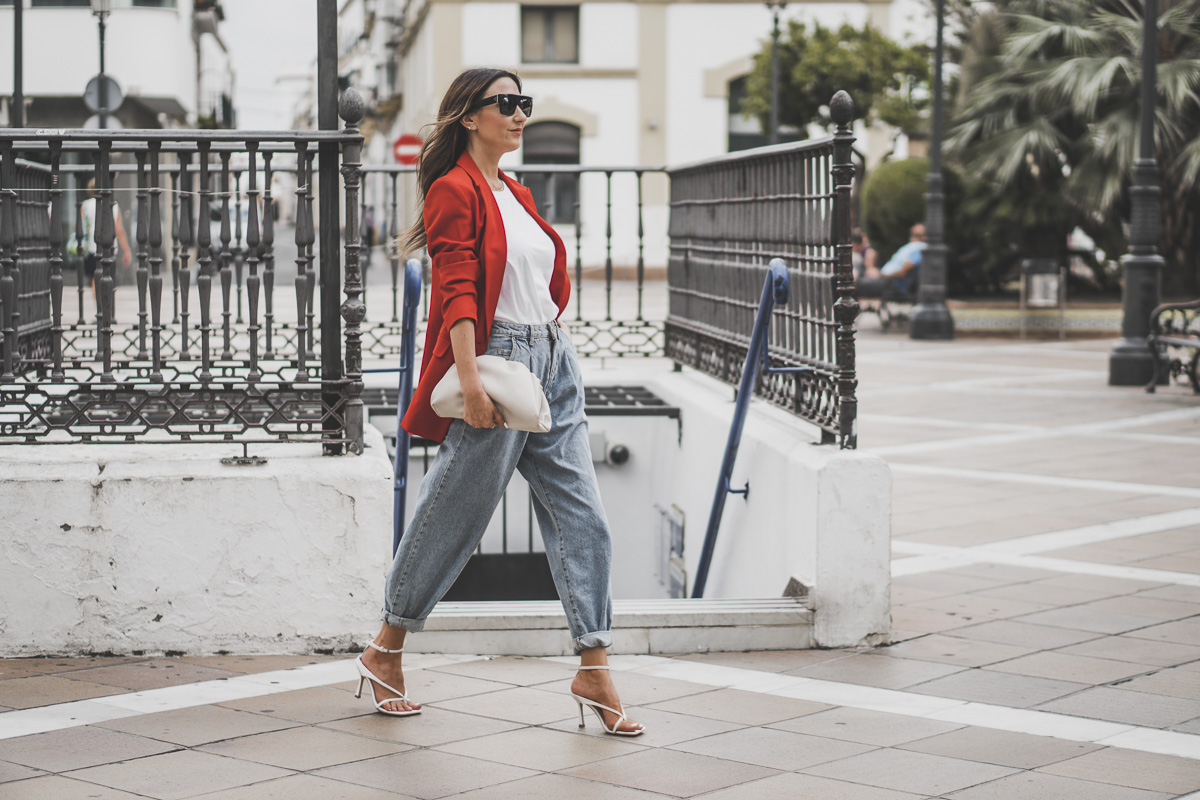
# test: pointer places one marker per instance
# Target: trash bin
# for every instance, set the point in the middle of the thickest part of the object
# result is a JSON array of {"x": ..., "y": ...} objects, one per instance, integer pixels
[{"x": 1044, "y": 285}]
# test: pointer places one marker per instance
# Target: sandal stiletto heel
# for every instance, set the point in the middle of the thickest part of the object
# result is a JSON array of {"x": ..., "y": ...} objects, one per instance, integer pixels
[
  {"x": 615, "y": 730},
  {"x": 365, "y": 675}
]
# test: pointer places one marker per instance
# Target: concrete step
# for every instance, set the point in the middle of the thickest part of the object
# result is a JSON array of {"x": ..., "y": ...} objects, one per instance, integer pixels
[{"x": 539, "y": 628}]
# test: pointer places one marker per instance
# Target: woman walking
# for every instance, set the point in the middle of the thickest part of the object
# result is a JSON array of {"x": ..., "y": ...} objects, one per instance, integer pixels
[{"x": 499, "y": 285}]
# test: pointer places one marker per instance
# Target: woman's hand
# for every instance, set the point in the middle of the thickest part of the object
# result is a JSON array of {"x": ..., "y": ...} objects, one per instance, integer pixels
[{"x": 479, "y": 411}]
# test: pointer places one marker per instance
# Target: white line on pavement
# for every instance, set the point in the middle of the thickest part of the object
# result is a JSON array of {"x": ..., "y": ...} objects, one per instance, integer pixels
[
  {"x": 951, "y": 560},
  {"x": 1089, "y": 484},
  {"x": 1107, "y": 428},
  {"x": 1039, "y": 723},
  {"x": 102, "y": 709},
  {"x": 891, "y": 701}
]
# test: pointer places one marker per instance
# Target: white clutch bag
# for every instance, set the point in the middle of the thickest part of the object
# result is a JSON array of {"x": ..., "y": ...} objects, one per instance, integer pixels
[{"x": 516, "y": 392}]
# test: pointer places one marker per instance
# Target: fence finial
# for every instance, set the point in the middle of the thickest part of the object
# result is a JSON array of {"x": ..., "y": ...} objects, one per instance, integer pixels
[
  {"x": 351, "y": 107},
  {"x": 841, "y": 108}
]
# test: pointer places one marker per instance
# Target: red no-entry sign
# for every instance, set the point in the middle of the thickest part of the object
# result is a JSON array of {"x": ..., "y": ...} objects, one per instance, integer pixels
[{"x": 407, "y": 148}]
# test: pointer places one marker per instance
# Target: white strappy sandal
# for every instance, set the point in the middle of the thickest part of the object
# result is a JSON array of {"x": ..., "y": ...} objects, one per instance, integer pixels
[
  {"x": 365, "y": 675},
  {"x": 615, "y": 730}
]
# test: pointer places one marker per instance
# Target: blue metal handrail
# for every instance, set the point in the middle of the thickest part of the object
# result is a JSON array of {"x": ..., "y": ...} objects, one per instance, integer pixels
[
  {"x": 775, "y": 291},
  {"x": 408, "y": 339},
  {"x": 412, "y": 295}
]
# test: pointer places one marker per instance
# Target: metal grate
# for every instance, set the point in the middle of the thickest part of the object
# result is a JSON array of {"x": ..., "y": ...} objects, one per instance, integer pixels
[{"x": 729, "y": 217}]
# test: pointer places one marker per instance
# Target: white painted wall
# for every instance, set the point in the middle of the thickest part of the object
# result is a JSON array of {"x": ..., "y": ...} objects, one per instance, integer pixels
[
  {"x": 153, "y": 548},
  {"x": 145, "y": 547},
  {"x": 818, "y": 514},
  {"x": 147, "y": 50},
  {"x": 491, "y": 34},
  {"x": 700, "y": 37},
  {"x": 608, "y": 35}
]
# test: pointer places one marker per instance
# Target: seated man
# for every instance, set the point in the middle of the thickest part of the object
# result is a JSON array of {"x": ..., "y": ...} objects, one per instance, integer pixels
[{"x": 901, "y": 271}]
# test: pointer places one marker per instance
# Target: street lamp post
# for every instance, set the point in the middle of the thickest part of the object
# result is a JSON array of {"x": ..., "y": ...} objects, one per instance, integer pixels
[
  {"x": 1130, "y": 363},
  {"x": 773, "y": 134},
  {"x": 17, "y": 114},
  {"x": 931, "y": 318},
  {"x": 102, "y": 8}
]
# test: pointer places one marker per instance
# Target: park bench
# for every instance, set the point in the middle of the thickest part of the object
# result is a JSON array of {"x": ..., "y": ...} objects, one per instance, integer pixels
[
  {"x": 1175, "y": 325},
  {"x": 893, "y": 305}
]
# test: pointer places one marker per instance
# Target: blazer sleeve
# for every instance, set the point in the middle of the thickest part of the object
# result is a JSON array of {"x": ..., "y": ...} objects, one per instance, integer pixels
[{"x": 451, "y": 234}]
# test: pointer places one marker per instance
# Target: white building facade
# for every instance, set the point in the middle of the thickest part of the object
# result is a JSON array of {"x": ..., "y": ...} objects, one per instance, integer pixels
[
  {"x": 166, "y": 55},
  {"x": 642, "y": 82}
]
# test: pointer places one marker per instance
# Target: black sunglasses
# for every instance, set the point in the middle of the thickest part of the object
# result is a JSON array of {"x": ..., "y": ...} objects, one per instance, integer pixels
[{"x": 507, "y": 104}]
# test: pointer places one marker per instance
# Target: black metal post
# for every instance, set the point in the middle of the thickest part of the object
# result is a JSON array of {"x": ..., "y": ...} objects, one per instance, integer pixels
[
  {"x": 103, "y": 83},
  {"x": 773, "y": 134},
  {"x": 845, "y": 307},
  {"x": 328, "y": 243},
  {"x": 16, "y": 117},
  {"x": 1130, "y": 362},
  {"x": 931, "y": 318}
]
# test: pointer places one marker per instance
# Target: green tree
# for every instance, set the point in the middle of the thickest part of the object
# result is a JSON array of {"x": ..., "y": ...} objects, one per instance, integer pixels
[
  {"x": 1052, "y": 115},
  {"x": 886, "y": 80}
]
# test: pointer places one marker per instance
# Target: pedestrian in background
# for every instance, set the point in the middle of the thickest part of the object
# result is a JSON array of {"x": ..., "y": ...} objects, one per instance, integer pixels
[{"x": 87, "y": 248}]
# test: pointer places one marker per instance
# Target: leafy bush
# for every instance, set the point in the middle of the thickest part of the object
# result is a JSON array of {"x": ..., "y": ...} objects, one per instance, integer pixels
[
  {"x": 989, "y": 228},
  {"x": 893, "y": 200}
]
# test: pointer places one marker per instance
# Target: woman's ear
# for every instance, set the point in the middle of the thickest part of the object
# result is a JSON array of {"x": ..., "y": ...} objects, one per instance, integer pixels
[{"x": 468, "y": 122}]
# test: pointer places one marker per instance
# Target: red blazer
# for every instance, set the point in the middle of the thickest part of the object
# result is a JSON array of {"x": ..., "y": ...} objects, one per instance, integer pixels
[{"x": 469, "y": 252}]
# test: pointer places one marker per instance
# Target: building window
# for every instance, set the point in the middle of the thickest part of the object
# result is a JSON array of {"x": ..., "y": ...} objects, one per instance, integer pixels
[
  {"x": 60, "y": 4},
  {"x": 550, "y": 34},
  {"x": 552, "y": 143},
  {"x": 744, "y": 131},
  {"x": 747, "y": 131}
]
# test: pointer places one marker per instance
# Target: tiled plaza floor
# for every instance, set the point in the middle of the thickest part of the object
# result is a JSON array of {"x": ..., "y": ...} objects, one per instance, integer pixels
[{"x": 1046, "y": 612}]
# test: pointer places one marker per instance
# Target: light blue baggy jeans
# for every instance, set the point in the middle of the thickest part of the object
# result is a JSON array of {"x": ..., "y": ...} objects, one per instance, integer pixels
[{"x": 468, "y": 477}]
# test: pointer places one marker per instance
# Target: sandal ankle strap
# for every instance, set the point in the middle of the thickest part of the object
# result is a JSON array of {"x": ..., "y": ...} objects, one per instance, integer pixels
[
  {"x": 384, "y": 649},
  {"x": 605, "y": 666}
]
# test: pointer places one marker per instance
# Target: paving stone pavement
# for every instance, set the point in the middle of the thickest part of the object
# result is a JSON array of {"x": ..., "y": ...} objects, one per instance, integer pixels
[{"x": 1046, "y": 643}]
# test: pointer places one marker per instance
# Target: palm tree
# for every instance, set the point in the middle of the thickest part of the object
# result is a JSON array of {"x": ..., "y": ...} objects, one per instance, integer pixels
[{"x": 1054, "y": 114}]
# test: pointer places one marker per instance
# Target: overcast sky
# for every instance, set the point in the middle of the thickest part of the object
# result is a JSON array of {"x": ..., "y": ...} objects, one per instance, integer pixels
[{"x": 269, "y": 40}]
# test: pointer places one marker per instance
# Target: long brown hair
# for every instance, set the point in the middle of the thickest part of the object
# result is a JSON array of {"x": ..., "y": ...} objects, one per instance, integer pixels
[{"x": 449, "y": 139}]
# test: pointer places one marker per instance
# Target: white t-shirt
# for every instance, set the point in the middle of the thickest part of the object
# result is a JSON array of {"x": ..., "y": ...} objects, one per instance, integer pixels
[
  {"x": 525, "y": 291},
  {"x": 88, "y": 212}
]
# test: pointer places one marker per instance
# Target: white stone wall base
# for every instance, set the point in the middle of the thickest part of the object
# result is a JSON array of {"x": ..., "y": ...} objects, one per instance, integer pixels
[
  {"x": 161, "y": 548},
  {"x": 819, "y": 515}
]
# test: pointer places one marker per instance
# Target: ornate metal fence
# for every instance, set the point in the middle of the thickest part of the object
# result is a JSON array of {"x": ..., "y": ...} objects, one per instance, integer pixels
[
  {"x": 597, "y": 333},
  {"x": 30, "y": 296},
  {"x": 268, "y": 362},
  {"x": 729, "y": 217},
  {"x": 180, "y": 373}
]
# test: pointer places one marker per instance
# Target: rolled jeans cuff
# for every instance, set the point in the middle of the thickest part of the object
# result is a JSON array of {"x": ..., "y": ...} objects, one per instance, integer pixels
[
  {"x": 413, "y": 625},
  {"x": 594, "y": 639}
]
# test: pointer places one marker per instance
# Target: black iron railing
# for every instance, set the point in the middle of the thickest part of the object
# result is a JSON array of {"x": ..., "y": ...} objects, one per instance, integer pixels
[
  {"x": 729, "y": 217},
  {"x": 27, "y": 289},
  {"x": 198, "y": 372},
  {"x": 266, "y": 361},
  {"x": 598, "y": 330}
]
